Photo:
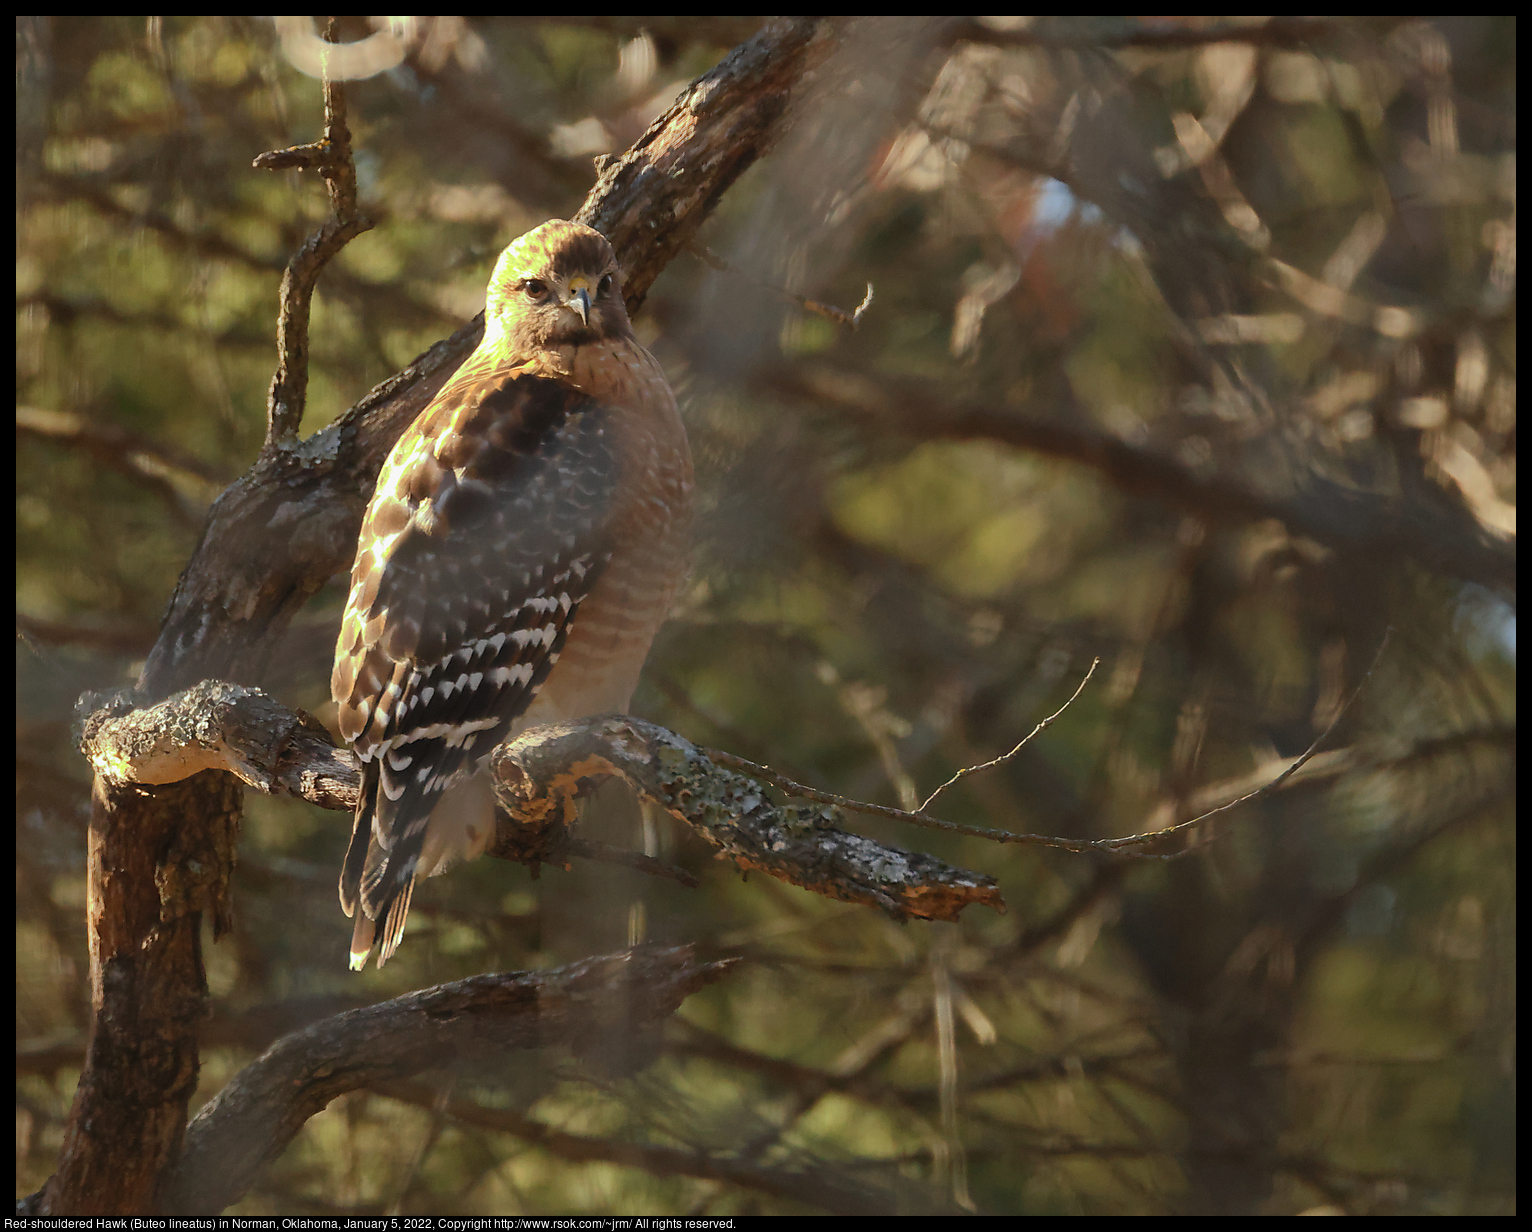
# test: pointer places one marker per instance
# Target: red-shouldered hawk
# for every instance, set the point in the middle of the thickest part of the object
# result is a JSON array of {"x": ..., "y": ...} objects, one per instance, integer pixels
[{"x": 525, "y": 539}]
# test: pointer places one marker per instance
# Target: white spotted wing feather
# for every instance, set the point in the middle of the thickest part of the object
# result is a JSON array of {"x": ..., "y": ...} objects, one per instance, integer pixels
[{"x": 485, "y": 534}]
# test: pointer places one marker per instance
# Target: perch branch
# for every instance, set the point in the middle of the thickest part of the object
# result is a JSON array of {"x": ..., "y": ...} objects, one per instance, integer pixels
[
  {"x": 541, "y": 773},
  {"x": 215, "y": 726},
  {"x": 245, "y": 732}
]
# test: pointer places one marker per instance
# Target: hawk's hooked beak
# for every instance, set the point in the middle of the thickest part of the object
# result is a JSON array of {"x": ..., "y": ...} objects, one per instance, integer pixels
[{"x": 579, "y": 298}]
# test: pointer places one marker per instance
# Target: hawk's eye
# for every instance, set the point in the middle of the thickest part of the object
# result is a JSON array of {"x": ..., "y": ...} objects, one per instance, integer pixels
[
  {"x": 534, "y": 287},
  {"x": 606, "y": 285}
]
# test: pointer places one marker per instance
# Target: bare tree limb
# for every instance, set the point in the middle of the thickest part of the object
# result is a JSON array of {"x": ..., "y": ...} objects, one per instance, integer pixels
[
  {"x": 541, "y": 773},
  {"x": 652, "y": 200},
  {"x": 156, "y": 860},
  {"x": 242, "y": 1129},
  {"x": 216, "y": 726}
]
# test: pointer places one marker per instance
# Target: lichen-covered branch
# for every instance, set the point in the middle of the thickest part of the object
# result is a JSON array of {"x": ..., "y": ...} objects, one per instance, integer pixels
[
  {"x": 216, "y": 726},
  {"x": 541, "y": 773}
]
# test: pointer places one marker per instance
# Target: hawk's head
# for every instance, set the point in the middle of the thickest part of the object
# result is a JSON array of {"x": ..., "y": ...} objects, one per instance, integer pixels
[{"x": 558, "y": 285}]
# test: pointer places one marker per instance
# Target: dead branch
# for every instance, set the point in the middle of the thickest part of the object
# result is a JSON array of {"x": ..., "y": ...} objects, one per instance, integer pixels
[
  {"x": 1005, "y": 757},
  {"x": 543, "y": 772},
  {"x": 331, "y": 157},
  {"x": 248, "y": 1124}
]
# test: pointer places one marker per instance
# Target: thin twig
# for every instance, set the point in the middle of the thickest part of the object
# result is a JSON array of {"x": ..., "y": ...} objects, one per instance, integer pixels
[
  {"x": 1113, "y": 844},
  {"x": 1005, "y": 757},
  {"x": 1122, "y": 846},
  {"x": 821, "y": 1187}
]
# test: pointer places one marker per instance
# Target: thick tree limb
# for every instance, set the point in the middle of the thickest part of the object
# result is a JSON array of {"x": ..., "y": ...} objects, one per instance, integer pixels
[
  {"x": 651, "y": 201},
  {"x": 247, "y": 1125},
  {"x": 155, "y": 858}
]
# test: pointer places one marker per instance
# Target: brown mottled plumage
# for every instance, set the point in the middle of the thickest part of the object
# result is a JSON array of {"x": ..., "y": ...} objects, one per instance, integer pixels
[{"x": 526, "y": 537}]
